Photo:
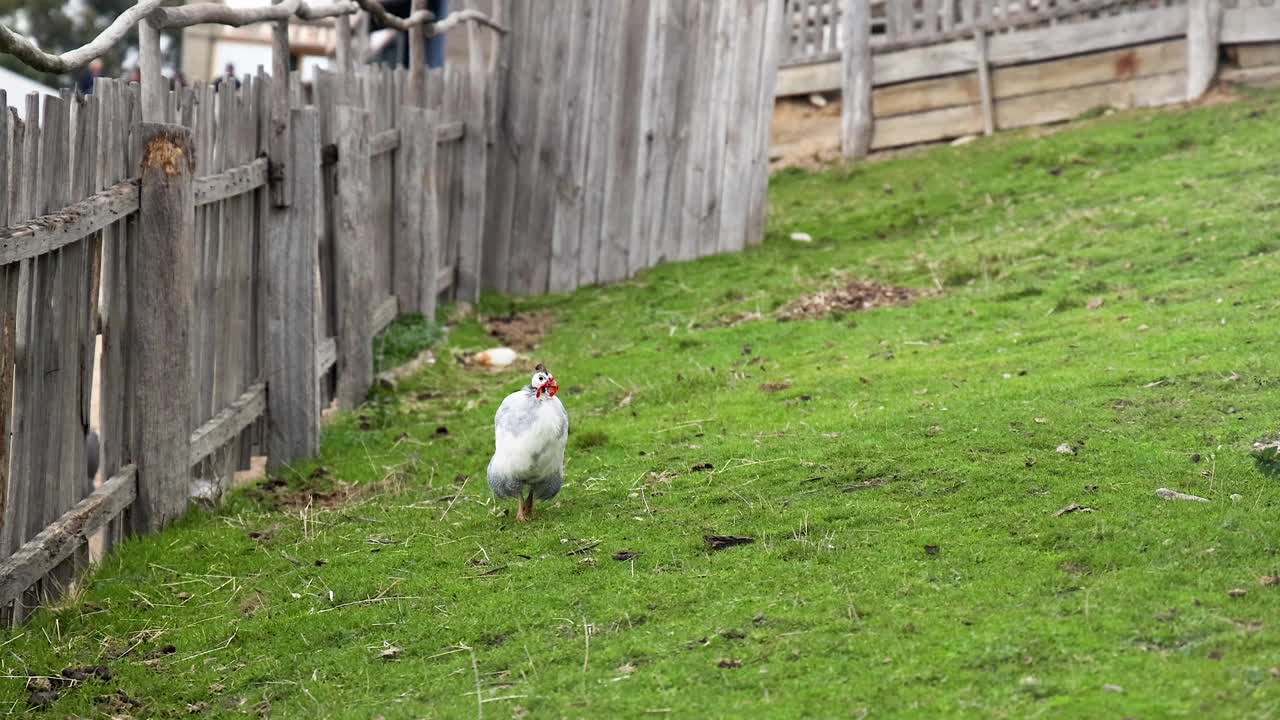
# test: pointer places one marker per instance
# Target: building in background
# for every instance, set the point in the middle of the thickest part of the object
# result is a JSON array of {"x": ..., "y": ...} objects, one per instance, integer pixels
[{"x": 208, "y": 49}]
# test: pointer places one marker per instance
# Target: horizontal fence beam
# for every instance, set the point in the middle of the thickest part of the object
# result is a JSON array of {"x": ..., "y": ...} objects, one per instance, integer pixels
[
  {"x": 57, "y": 542},
  {"x": 230, "y": 183},
  {"x": 50, "y": 232},
  {"x": 450, "y": 131},
  {"x": 384, "y": 142},
  {"x": 228, "y": 423}
]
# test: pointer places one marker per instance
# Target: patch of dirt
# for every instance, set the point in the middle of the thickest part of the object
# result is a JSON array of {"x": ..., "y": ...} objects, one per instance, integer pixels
[
  {"x": 855, "y": 296},
  {"x": 277, "y": 494},
  {"x": 520, "y": 331}
]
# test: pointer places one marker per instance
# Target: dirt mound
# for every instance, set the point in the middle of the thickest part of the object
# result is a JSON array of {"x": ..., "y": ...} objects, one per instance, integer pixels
[
  {"x": 520, "y": 331},
  {"x": 857, "y": 295}
]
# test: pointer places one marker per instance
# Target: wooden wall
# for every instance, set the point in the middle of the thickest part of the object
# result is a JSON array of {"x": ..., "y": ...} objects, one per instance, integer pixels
[
  {"x": 942, "y": 69},
  {"x": 627, "y": 133}
]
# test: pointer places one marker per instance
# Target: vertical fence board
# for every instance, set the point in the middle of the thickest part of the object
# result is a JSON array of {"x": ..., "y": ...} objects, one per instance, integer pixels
[
  {"x": 580, "y": 93},
  {"x": 353, "y": 266},
  {"x": 502, "y": 157},
  {"x": 599, "y": 134},
  {"x": 724, "y": 55},
  {"x": 474, "y": 164},
  {"x": 763, "y": 114},
  {"x": 294, "y": 330}
]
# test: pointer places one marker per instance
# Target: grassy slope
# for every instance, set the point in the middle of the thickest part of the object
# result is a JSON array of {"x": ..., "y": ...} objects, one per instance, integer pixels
[{"x": 836, "y": 608}]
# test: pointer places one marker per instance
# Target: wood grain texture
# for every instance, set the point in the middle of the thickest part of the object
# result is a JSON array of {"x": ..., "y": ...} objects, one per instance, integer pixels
[
  {"x": 281, "y": 145},
  {"x": 60, "y": 539},
  {"x": 293, "y": 294},
  {"x": 162, "y": 387},
  {"x": 855, "y": 114},
  {"x": 353, "y": 268},
  {"x": 475, "y": 162},
  {"x": 231, "y": 183},
  {"x": 412, "y": 172},
  {"x": 227, "y": 423}
]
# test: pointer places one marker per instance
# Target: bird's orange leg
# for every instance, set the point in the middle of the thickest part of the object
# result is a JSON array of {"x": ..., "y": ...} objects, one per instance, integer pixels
[{"x": 525, "y": 513}]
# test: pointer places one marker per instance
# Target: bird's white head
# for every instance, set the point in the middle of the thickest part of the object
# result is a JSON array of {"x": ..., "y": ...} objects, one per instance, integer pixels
[{"x": 543, "y": 383}]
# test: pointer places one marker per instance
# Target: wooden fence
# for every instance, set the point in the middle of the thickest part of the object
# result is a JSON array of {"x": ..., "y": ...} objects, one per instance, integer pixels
[
  {"x": 924, "y": 70},
  {"x": 225, "y": 320},
  {"x": 629, "y": 132},
  {"x": 233, "y": 250}
]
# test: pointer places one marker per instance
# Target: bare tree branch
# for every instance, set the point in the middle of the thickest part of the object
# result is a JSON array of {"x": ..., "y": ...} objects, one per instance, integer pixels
[
  {"x": 26, "y": 51},
  {"x": 187, "y": 15},
  {"x": 374, "y": 8},
  {"x": 456, "y": 19},
  {"x": 213, "y": 13},
  {"x": 318, "y": 11}
]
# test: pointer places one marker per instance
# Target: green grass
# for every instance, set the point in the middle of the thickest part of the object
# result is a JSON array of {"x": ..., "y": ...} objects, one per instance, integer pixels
[{"x": 953, "y": 407}]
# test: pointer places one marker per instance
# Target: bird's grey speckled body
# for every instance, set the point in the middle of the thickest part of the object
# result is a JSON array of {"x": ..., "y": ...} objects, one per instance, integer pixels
[{"x": 529, "y": 440}]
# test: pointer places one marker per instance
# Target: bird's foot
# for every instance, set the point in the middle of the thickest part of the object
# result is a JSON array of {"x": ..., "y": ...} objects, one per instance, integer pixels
[
  {"x": 521, "y": 515},
  {"x": 525, "y": 513}
]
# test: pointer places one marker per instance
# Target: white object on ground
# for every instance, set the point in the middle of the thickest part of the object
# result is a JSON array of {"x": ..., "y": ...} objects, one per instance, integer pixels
[
  {"x": 494, "y": 357},
  {"x": 801, "y": 237},
  {"x": 1168, "y": 494}
]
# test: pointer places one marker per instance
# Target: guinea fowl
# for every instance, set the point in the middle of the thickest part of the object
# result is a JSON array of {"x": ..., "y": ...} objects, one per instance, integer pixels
[{"x": 530, "y": 430}]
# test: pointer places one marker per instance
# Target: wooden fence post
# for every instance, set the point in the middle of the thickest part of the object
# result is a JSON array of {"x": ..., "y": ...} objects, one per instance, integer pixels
[
  {"x": 475, "y": 162},
  {"x": 353, "y": 266},
  {"x": 154, "y": 89},
  {"x": 855, "y": 112},
  {"x": 1204, "y": 26},
  {"x": 159, "y": 342},
  {"x": 415, "y": 168},
  {"x": 293, "y": 324},
  {"x": 281, "y": 192},
  {"x": 984, "y": 81},
  {"x": 417, "y": 90}
]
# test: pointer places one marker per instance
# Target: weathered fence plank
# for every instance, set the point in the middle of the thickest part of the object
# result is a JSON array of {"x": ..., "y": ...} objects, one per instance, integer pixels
[
  {"x": 293, "y": 294},
  {"x": 353, "y": 266},
  {"x": 60, "y": 538},
  {"x": 855, "y": 111},
  {"x": 475, "y": 162},
  {"x": 161, "y": 387}
]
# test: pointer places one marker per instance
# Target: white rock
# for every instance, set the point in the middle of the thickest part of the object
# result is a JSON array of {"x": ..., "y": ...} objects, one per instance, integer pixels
[
  {"x": 801, "y": 237},
  {"x": 965, "y": 140},
  {"x": 817, "y": 100},
  {"x": 1168, "y": 494}
]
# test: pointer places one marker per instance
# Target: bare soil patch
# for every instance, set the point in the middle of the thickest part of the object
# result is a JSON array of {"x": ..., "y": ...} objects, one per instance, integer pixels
[
  {"x": 855, "y": 296},
  {"x": 519, "y": 331}
]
